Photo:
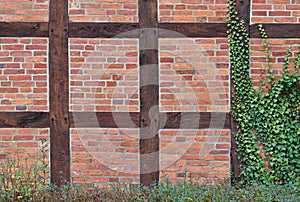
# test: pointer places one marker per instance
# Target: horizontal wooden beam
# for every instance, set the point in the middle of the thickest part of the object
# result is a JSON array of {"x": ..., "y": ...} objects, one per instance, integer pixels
[
  {"x": 103, "y": 30},
  {"x": 104, "y": 119},
  {"x": 24, "y": 120},
  {"x": 181, "y": 30},
  {"x": 24, "y": 29},
  {"x": 130, "y": 30},
  {"x": 195, "y": 120},
  {"x": 276, "y": 30},
  {"x": 169, "y": 120}
]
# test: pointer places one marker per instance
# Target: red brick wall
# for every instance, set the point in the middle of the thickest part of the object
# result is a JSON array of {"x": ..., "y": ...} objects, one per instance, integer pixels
[
  {"x": 192, "y": 10},
  {"x": 277, "y": 48},
  {"x": 275, "y": 11},
  {"x": 23, "y": 146},
  {"x": 23, "y": 74},
  {"x": 199, "y": 155},
  {"x": 101, "y": 157},
  {"x": 104, "y": 75},
  {"x": 272, "y": 11},
  {"x": 24, "y": 10},
  {"x": 194, "y": 74},
  {"x": 103, "y": 11},
  {"x": 22, "y": 140}
]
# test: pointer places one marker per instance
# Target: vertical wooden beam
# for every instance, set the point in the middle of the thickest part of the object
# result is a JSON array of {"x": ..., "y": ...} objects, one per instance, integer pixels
[
  {"x": 243, "y": 8},
  {"x": 59, "y": 92},
  {"x": 149, "y": 92}
]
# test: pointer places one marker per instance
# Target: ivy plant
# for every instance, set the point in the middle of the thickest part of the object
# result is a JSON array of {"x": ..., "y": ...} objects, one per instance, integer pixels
[{"x": 268, "y": 131}]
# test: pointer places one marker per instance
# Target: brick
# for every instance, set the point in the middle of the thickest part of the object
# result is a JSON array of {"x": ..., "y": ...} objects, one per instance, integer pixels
[
  {"x": 27, "y": 144},
  {"x": 9, "y": 90}
]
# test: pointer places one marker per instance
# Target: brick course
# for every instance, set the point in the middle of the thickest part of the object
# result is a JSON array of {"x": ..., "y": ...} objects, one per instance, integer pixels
[{"x": 103, "y": 11}]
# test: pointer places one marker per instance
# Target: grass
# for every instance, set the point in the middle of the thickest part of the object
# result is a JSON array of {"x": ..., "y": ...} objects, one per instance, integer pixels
[
  {"x": 184, "y": 191},
  {"x": 28, "y": 180}
]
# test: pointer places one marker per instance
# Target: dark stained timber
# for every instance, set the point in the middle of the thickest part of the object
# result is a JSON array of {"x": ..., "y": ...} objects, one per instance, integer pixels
[
  {"x": 130, "y": 30},
  {"x": 180, "y": 30},
  {"x": 149, "y": 92},
  {"x": 194, "y": 120},
  {"x": 59, "y": 92},
  {"x": 243, "y": 8},
  {"x": 24, "y": 29},
  {"x": 104, "y": 119},
  {"x": 276, "y": 30},
  {"x": 169, "y": 120},
  {"x": 24, "y": 119},
  {"x": 235, "y": 164},
  {"x": 103, "y": 30}
]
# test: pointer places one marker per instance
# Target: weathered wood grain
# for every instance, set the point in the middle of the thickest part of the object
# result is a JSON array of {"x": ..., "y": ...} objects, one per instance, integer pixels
[
  {"x": 276, "y": 30},
  {"x": 59, "y": 92},
  {"x": 169, "y": 120},
  {"x": 104, "y": 119},
  {"x": 235, "y": 163},
  {"x": 130, "y": 30},
  {"x": 24, "y": 119},
  {"x": 193, "y": 30},
  {"x": 149, "y": 92},
  {"x": 243, "y": 9},
  {"x": 103, "y": 30},
  {"x": 195, "y": 120},
  {"x": 24, "y": 29}
]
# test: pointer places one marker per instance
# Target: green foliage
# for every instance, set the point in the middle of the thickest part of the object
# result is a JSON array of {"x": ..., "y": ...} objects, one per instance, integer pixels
[
  {"x": 270, "y": 117},
  {"x": 24, "y": 178},
  {"x": 31, "y": 184},
  {"x": 167, "y": 192}
]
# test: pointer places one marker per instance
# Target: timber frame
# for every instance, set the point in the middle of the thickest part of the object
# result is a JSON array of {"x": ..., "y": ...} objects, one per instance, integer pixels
[{"x": 59, "y": 119}]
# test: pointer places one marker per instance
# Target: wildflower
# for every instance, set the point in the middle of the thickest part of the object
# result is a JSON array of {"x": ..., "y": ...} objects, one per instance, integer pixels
[{"x": 20, "y": 197}]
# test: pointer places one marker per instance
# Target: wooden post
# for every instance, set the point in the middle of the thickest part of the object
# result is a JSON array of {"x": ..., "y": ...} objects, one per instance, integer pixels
[
  {"x": 149, "y": 92},
  {"x": 243, "y": 8},
  {"x": 59, "y": 92}
]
